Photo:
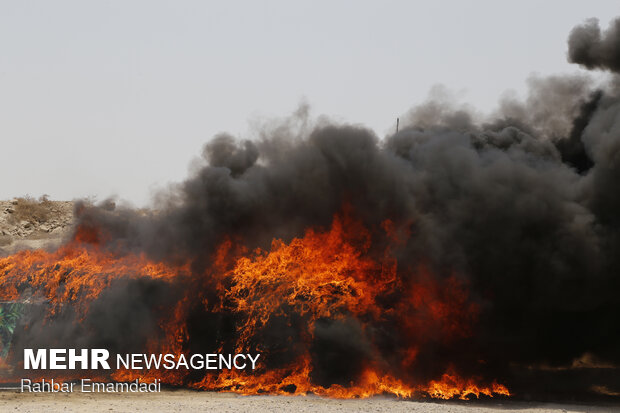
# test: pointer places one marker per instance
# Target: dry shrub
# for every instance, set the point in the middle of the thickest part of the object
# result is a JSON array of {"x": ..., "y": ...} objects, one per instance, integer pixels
[{"x": 30, "y": 209}]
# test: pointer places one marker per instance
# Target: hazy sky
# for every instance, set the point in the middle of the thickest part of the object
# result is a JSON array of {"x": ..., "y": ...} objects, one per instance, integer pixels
[{"x": 117, "y": 97}]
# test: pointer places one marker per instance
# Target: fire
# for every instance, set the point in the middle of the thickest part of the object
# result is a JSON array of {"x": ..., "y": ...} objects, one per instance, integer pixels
[{"x": 313, "y": 286}]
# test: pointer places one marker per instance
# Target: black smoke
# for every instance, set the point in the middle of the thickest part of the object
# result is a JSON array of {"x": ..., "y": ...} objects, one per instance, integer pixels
[
  {"x": 594, "y": 49},
  {"x": 523, "y": 205}
]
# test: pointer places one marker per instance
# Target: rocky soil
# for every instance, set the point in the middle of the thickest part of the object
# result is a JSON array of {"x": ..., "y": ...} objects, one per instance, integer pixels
[{"x": 27, "y": 223}]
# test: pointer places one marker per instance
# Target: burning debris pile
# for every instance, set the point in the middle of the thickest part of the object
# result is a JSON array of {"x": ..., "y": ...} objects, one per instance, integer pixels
[{"x": 457, "y": 258}]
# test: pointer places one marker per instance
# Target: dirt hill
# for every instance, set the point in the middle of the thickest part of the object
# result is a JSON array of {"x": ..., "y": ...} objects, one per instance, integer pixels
[{"x": 28, "y": 223}]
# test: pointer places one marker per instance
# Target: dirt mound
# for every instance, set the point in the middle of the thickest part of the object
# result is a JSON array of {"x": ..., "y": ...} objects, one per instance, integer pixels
[{"x": 28, "y": 223}]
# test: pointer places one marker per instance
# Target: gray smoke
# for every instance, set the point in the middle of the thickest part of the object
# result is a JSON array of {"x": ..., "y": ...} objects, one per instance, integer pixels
[{"x": 594, "y": 49}]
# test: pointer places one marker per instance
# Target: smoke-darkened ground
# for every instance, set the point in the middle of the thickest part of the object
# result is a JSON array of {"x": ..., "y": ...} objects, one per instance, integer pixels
[{"x": 522, "y": 207}]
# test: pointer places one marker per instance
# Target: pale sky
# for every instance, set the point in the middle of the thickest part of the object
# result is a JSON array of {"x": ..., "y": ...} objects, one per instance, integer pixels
[{"x": 115, "y": 98}]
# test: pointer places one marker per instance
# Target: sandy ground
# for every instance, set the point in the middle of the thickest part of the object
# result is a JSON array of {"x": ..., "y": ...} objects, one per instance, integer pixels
[{"x": 192, "y": 401}]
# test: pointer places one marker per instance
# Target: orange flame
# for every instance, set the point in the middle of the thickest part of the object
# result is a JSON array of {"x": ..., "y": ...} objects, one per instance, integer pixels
[{"x": 333, "y": 274}]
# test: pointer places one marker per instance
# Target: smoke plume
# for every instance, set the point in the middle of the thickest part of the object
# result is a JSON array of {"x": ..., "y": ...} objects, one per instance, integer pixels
[
  {"x": 593, "y": 49},
  {"x": 523, "y": 207}
]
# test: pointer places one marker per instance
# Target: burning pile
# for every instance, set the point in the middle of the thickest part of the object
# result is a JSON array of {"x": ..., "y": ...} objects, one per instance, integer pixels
[
  {"x": 456, "y": 258},
  {"x": 326, "y": 288}
]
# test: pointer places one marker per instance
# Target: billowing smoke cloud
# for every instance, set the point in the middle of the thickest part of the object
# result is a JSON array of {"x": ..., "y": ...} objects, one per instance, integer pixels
[
  {"x": 524, "y": 206},
  {"x": 590, "y": 47}
]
